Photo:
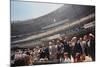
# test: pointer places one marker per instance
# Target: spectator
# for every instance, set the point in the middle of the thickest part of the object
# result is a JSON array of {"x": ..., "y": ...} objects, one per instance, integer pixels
[
  {"x": 66, "y": 58},
  {"x": 58, "y": 50},
  {"x": 66, "y": 47},
  {"x": 91, "y": 46}
]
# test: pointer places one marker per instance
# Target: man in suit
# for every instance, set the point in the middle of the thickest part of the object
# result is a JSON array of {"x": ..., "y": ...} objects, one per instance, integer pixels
[
  {"x": 75, "y": 47},
  {"x": 46, "y": 51},
  {"x": 66, "y": 47},
  {"x": 91, "y": 46}
]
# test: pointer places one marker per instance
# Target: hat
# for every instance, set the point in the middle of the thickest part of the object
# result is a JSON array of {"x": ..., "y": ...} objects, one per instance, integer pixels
[
  {"x": 65, "y": 53},
  {"x": 91, "y": 35}
]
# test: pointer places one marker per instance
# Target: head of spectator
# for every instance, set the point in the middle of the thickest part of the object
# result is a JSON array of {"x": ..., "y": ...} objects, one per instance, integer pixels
[
  {"x": 28, "y": 53},
  {"x": 82, "y": 57},
  {"x": 77, "y": 57},
  {"x": 66, "y": 55},
  {"x": 80, "y": 39},
  {"x": 61, "y": 39},
  {"x": 88, "y": 59},
  {"x": 85, "y": 37},
  {"x": 50, "y": 43},
  {"x": 64, "y": 41},
  {"x": 58, "y": 41},
  {"x": 74, "y": 39},
  {"x": 66, "y": 58}
]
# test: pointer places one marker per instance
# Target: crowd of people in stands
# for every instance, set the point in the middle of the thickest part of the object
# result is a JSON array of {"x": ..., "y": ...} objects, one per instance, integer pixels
[{"x": 59, "y": 50}]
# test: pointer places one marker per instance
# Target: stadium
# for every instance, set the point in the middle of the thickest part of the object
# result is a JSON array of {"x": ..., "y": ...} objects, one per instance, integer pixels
[{"x": 67, "y": 24}]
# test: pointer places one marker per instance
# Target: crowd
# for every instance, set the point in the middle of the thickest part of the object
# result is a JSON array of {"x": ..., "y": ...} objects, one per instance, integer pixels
[{"x": 59, "y": 50}]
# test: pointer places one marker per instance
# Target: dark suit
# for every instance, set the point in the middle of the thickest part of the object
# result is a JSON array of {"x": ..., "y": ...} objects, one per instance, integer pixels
[
  {"x": 76, "y": 49},
  {"x": 67, "y": 48},
  {"x": 91, "y": 49},
  {"x": 46, "y": 50}
]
